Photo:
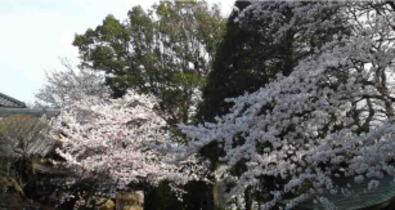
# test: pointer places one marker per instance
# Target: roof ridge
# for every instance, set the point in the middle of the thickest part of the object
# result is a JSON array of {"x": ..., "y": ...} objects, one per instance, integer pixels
[{"x": 13, "y": 100}]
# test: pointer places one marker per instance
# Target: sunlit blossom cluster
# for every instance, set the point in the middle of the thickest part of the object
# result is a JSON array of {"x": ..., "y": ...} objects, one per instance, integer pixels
[{"x": 120, "y": 139}]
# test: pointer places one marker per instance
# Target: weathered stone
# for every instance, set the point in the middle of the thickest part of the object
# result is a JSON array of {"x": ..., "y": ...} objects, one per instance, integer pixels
[
  {"x": 130, "y": 201},
  {"x": 107, "y": 205}
]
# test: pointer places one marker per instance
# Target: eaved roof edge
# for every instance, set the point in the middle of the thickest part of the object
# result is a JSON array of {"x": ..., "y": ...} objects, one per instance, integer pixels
[{"x": 19, "y": 104}]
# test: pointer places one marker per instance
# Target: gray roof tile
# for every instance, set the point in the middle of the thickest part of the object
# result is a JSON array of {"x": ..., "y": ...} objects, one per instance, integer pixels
[{"x": 7, "y": 101}]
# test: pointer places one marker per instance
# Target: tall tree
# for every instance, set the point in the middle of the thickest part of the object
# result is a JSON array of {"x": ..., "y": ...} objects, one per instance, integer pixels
[
  {"x": 254, "y": 49},
  {"x": 331, "y": 119},
  {"x": 257, "y": 48},
  {"x": 166, "y": 51}
]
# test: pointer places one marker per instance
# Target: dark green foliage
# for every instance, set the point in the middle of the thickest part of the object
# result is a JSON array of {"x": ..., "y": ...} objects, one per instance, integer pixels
[
  {"x": 253, "y": 52},
  {"x": 198, "y": 196},
  {"x": 166, "y": 51}
]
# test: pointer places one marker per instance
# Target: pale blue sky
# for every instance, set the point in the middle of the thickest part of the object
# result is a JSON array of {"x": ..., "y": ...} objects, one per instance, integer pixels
[{"x": 34, "y": 34}]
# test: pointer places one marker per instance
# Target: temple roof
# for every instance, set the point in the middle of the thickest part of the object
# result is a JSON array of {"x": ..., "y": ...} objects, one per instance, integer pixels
[{"x": 7, "y": 101}]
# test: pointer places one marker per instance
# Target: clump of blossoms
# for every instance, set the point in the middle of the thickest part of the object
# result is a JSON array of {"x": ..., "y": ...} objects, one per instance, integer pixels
[
  {"x": 332, "y": 117},
  {"x": 119, "y": 138},
  {"x": 70, "y": 84}
]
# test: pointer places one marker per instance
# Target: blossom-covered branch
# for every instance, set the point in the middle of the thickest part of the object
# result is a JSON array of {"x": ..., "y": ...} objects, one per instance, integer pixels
[
  {"x": 331, "y": 117},
  {"x": 69, "y": 85},
  {"x": 119, "y": 138}
]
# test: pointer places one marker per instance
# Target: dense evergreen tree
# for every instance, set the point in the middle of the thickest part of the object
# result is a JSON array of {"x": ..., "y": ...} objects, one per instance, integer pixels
[{"x": 254, "y": 51}]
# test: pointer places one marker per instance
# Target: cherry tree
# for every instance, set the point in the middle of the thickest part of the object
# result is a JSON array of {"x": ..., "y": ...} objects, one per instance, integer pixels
[
  {"x": 331, "y": 118},
  {"x": 69, "y": 85},
  {"x": 120, "y": 139}
]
